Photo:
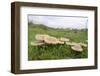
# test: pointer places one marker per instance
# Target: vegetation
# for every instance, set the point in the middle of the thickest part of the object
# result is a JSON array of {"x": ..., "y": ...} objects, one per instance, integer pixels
[{"x": 49, "y": 52}]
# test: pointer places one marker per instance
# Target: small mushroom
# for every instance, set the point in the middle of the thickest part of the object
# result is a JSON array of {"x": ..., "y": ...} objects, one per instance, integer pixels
[
  {"x": 82, "y": 44},
  {"x": 69, "y": 43},
  {"x": 64, "y": 39},
  {"x": 37, "y": 43},
  {"x": 77, "y": 48},
  {"x": 51, "y": 40},
  {"x": 60, "y": 42},
  {"x": 40, "y": 37}
]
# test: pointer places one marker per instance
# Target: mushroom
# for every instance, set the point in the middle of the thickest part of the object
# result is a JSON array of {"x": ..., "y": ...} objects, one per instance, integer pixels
[
  {"x": 51, "y": 40},
  {"x": 37, "y": 43},
  {"x": 77, "y": 48},
  {"x": 69, "y": 43},
  {"x": 64, "y": 39},
  {"x": 60, "y": 42},
  {"x": 40, "y": 37},
  {"x": 82, "y": 44}
]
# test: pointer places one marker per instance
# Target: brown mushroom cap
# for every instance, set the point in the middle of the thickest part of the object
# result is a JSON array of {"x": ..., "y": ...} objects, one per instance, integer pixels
[
  {"x": 77, "y": 48},
  {"x": 51, "y": 40},
  {"x": 40, "y": 37},
  {"x": 64, "y": 39}
]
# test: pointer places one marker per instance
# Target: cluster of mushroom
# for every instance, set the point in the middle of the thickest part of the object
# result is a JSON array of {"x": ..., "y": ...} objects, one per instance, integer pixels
[{"x": 42, "y": 39}]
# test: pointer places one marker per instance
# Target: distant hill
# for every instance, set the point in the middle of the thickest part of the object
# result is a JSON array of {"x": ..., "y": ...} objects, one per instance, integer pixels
[
  {"x": 46, "y": 27},
  {"x": 40, "y": 25}
]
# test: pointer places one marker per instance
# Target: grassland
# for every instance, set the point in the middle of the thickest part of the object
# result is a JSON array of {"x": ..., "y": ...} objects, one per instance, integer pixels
[{"x": 49, "y": 52}]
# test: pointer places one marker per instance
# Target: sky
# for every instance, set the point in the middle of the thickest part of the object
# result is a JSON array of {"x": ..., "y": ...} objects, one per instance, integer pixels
[{"x": 60, "y": 21}]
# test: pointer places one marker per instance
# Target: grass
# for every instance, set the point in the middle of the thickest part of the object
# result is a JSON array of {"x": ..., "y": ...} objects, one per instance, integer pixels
[{"x": 49, "y": 52}]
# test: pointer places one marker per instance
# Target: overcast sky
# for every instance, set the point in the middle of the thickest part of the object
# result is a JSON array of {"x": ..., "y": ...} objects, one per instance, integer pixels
[{"x": 60, "y": 21}]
